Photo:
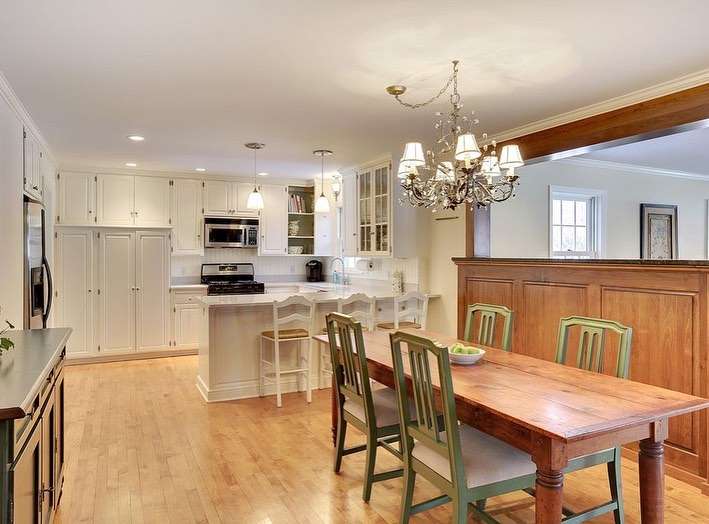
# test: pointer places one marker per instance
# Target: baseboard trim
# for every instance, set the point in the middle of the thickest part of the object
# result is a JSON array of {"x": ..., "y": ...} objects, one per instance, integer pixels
[
  {"x": 247, "y": 389},
  {"x": 142, "y": 355}
]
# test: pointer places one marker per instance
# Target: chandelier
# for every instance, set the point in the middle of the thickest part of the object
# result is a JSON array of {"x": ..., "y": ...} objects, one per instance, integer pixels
[{"x": 460, "y": 173}]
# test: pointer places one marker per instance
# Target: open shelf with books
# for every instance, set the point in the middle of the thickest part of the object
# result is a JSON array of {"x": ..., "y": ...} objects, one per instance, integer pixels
[{"x": 301, "y": 220}]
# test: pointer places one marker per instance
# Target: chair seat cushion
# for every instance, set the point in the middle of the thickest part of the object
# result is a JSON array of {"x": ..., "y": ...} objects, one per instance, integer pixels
[
  {"x": 284, "y": 334},
  {"x": 385, "y": 406},
  {"x": 402, "y": 325},
  {"x": 486, "y": 459}
]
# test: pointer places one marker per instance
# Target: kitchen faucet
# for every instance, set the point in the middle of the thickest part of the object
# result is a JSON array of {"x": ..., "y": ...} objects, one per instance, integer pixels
[{"x": 335, "y": 274}]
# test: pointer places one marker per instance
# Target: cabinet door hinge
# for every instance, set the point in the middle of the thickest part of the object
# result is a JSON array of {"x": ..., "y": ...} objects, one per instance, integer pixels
[
  {"x": 203, "y": 183},
  {"x": 58, "y": 176},
  {"x": 98, "y": 291},
  {"x": 174, "y": 310},
  {"x": 99, "y": 347},
  {"x": 57, "y": 219},
  {"x": 56, "y": 235},
  {"x": 95, "y": 179},
  {"x": 169, "y": 221},
  {"x": 98, "y": 234},
  {"x": 203, "y": 211},
  {"x": 95, "y": 218}
]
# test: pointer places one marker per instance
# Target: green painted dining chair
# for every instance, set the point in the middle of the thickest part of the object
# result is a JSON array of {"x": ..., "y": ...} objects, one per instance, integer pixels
[
  {"x": 371, "y": 409},
  {"x": 590, "y": 356},
  {"x": 467, "y": 465},
  {"x": 488, "y": 314}
]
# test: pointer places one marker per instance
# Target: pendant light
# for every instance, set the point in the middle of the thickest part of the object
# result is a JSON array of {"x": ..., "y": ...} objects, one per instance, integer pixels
[
  {"x": 255, "y": 200},
  {"x": 322, "y": 204}
]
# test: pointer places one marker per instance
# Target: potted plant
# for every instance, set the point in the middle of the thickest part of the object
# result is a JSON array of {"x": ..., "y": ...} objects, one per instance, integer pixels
[{"x": 5, "y": 343}]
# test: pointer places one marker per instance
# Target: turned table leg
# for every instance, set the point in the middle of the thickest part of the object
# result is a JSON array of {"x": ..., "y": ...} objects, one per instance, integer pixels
[
  {"x": 549, "y": 493},
  {"x": 652, "y": 482}
]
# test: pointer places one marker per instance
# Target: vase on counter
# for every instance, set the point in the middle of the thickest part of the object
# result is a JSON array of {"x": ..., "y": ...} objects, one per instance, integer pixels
[{"x": 397, "y": 282}]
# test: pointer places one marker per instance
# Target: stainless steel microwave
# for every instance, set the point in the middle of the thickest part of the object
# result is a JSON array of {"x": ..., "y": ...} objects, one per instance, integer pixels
[{"x": 230, "y": 232}]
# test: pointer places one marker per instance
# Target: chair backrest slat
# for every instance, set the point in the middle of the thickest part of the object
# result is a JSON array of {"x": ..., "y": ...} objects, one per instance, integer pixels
[
  {"x": 425, "y": 426},
  {"x": 360, "y": 307},
  {"x": 293, "y": 309},
  {"x": 349, "y": 362},
  {"x": 406, "y": 309},
  {"x": 488, "y": 314},
  {"x": 592, "y": 343}
]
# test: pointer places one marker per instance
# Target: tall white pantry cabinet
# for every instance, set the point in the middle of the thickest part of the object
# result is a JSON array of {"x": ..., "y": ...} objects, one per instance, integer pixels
[{"x": 113, "y": 288}]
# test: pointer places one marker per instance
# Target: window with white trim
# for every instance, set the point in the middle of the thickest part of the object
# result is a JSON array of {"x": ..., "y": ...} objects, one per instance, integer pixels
[{"x": 576, "y": 222}]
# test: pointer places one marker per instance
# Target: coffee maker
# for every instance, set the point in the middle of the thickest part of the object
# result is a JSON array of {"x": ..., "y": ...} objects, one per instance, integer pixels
[{"x": 313, "y": 271}]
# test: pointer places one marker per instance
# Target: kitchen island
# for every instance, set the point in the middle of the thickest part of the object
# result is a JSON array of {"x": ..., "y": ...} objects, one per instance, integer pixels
[
  {"x": 32, "y": 425},
  {"x": 231, "y": 327}
]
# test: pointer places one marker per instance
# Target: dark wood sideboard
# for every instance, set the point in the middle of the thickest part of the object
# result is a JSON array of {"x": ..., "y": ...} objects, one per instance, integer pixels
[{"x": 666, "y": 304}]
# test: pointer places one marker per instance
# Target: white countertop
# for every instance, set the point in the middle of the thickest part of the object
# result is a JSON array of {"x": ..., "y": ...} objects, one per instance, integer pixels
[
  {"x": 189, "y": 287},
  {"x": 319, "y": 292}
]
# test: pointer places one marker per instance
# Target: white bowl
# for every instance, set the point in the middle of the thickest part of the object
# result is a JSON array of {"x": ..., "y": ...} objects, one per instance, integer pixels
[{"x": 466, "y": 360}]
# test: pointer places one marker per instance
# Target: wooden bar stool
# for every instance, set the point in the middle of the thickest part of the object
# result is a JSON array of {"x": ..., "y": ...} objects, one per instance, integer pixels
[
  {"x": 361, "y": 308},
  {"x": 488, "y": 314},
  {"x": 410, "y": 311},
  {"x": 287, "y": 312}
]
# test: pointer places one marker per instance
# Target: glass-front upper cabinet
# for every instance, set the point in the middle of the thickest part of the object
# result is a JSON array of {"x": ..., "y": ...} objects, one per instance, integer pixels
[{"x": 374, "y": 209}]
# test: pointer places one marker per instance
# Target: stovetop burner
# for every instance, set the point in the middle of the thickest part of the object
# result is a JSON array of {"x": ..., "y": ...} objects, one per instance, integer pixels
[{"x": 230, "y": 279}]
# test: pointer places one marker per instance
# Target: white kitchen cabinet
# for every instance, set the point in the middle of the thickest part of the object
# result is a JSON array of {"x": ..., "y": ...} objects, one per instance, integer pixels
[
  {"x": 152, "y": 285},
  {"x": 186, "y": 318},
  {"x": 74, "y": 297},
  {"x": 324, "y": 228},
  {"x": 32, "y": 166},
  {"x": 223, "y": 198},
  {"x": 349, "y": 216},
  {"x": 186, "y": 212},
  {"x": 217, "y": 198},
  {"x": 151, "y": 206},
  {"x": 114, "y": 195},
  {"x": 274, "y": 220},
  {"x": 116, "y": 268},
  {"x": 240, "y": 194},
  {"x": 374, "y": 209},
  {"x": 76, "y": 199}
]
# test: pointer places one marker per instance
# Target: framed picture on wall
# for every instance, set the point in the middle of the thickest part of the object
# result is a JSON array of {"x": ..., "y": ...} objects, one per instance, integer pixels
[{"x": 658, "y": 232}]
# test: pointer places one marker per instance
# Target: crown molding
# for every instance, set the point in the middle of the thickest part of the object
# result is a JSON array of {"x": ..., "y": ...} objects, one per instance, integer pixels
[
  {"x": 641, "y": 95},
  {"x": 8, "y": 94},
  {"x": 267, "y": 180},
  {"x": 633, "y": 168}
]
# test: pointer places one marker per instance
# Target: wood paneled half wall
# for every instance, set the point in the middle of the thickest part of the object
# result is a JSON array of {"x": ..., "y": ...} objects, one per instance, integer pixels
[{"x": 666, "y": 304}]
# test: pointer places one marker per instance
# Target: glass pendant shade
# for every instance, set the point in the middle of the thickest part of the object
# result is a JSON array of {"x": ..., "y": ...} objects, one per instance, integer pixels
[
  {"x": 413, "y": 154},
  {"x": 255, "y": 200},
  {"x": 444, "y": 172},
  {"x": 511, "y": 157},
  {"x": 467, "y": 147},
  {"x": 322, "y": 204}
]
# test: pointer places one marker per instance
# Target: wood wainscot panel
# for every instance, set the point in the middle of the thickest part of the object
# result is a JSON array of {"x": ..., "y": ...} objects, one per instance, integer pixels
[
  {"x": 543, "y": 304},
  {"x": 489, "y": 291},
  {"x": 665, "y": 353}
]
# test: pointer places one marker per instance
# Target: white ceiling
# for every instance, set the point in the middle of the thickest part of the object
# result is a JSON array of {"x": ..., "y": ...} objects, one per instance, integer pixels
[
  {"x": 687, "y": 152},
  {"x": 200, "y": 78}
]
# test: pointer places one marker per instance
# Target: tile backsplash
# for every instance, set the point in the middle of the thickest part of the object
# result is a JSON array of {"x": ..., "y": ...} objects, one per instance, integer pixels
[{"x": 188, "y": 267}]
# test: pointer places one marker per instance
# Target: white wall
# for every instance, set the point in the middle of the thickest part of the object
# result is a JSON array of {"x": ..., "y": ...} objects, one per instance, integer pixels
[
  {"x": 520, "y": 226},
  {"x": 446, "y": 239},
  {"x": 11, "y": 213}
]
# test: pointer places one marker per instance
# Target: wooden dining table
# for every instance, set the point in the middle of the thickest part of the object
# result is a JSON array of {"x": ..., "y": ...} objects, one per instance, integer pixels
[{"x": 555, "y": 413}]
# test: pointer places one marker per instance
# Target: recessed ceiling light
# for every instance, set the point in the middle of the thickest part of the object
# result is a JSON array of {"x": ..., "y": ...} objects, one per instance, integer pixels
[
  {"x": 136, "y": 138},
  {"x": 200, "y": 169},
  {"x": 262, "y": 173},
  {"x": 131, "y": 164}
]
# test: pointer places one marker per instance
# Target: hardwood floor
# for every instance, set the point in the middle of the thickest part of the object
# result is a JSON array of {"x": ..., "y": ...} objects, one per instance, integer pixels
[{"x": 143, "y": 447}]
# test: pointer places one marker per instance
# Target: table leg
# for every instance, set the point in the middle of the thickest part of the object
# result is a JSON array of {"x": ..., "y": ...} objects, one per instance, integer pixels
[
  {"x": 549, "y": 496},
  {"x": 333, "y": 407},
  {"x": 652, "y": 482}
]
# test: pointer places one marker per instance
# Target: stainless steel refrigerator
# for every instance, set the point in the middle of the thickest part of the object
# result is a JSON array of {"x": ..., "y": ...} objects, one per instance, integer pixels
[{"x": 37, "y": 275}]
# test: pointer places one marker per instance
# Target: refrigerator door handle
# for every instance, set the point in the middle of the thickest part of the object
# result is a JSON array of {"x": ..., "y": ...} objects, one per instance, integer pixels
[{"x": 50, "y": 292}]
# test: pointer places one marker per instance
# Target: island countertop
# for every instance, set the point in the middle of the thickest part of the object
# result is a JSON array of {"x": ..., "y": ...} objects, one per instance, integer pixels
[
  {"x": 318, "y": 292},
  {"x": 23, "y": 368}
]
